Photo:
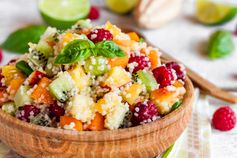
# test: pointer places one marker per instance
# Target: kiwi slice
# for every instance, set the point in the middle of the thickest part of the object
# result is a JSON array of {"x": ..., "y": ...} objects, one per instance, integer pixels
[
  {"x": 41, "y": 119},
  {"x": 39, "y": 56},
  {"x": 61, "y": 88},
  {"x": 9, "y": 108},
  {"x": 147, "y": 79},
  {"x": 44, "y": 47},
  {"x": 96, "y": 65},
  {"x": 21, "y": 98}
]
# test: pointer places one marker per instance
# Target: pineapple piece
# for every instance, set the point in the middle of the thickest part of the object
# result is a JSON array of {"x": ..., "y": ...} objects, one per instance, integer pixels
[
  {"x": 164, "y": 99},
  {"x": 108, "y": 102},
  {"x": 115, "y": 118},
  {"x": 178, "y": 84},
  {"x": 10, "y": 72},
  {"x": 115, "y": 31},
  {"x": 180, "y": 90},
  {"x": 117, "y": 77},
  {"x": 14, "y": 85},
  {"x": 68, "y": 37},
  {"x": 81, "y": 107},
  {"x": 131, "y": 94},
  {"x": 80, "y": 78}
]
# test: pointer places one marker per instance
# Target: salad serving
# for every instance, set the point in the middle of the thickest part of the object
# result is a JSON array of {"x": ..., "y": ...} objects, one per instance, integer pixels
[{"x": 90, "y": 78}]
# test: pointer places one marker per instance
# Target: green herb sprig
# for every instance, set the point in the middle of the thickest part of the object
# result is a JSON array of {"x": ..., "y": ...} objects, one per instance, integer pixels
[{"x": 81, "y": 49}]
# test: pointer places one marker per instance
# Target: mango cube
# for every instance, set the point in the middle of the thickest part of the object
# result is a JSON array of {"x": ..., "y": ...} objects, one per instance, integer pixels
[
  {"x": 164, "y": 99},
  {"x": 79, "y": 77},
  {"x": 131, "y": 94},
  {"x": 117, "y": 77},
  {"x": 10, "y": 72}
]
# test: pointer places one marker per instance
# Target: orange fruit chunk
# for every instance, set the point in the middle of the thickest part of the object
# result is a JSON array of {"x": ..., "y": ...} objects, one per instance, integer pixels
[
  {"x": 41, "y": 94},
  {"x": 67, "y": 120},
  {"x": 133, "y": 36},
  {"x": 97, "y": 124}
]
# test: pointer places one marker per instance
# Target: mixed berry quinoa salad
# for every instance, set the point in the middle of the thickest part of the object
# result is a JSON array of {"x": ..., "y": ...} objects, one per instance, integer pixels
[{"x": 90, "y": 78}]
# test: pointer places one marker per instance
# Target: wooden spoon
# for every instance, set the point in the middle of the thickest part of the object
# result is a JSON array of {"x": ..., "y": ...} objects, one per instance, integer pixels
[{"x": 205, "y": 85}]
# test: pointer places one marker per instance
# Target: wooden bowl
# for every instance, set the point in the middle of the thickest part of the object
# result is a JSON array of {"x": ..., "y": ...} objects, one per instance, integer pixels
[{"x": 144, "y": 141}]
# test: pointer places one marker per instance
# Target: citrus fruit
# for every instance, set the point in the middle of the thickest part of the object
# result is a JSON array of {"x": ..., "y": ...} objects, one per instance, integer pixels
[
  {"x": 121, "y": 6},
  {"x": 63, "y": 13},
  {"x": 220, "y": 44},
  {"x": 211, "y": 13}
]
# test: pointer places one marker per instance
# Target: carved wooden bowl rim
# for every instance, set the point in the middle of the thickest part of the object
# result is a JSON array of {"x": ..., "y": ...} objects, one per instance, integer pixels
[{"x": 106, "y": 135}]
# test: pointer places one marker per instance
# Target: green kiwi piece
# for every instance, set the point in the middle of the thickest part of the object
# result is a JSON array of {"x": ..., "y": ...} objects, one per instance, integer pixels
[
  {"x": 96, "y": 65},
  {"x": 9, "y": 108},
  {"x": 147, "y": 79},
  {"x": 61, "y": 88},
  {"x": 22, "y": 97}
]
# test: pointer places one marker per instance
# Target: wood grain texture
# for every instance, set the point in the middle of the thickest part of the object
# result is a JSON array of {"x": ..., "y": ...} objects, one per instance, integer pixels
[{"x": 144, "y": 141}]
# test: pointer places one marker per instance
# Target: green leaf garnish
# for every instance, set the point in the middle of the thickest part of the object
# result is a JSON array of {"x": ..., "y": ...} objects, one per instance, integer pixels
[
  {"x": 82, "y": 49},
  {"x": 24, "y": 67},
  {"x": 141, "y": 40},
  {"x": 109, "y": 49},
  {"x": 18, "y": 41},
  {"x": 176, "y": 105},
  {"x": 75, "y": 51},
  {"x": 220, "y": 44}
]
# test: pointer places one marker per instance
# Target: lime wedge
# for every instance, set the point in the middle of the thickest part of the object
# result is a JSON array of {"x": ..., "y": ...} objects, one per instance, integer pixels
[
  {"x": 63, "y": 13},
  {"x": 211, "y": 13}
]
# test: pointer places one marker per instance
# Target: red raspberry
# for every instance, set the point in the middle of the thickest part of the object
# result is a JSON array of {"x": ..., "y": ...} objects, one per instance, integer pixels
[
  {"x": 12, "y": 62},
  {"x": 145, "y": 112},
  {"x": 179, "y": 69},
  {"x": 163, "y": 76},
  {"x": 1, "y": 77},
  {"x": 35, "y": 77},
  {"x": 94, "y": 13},
  {"x": 1, "y": 55},
  {"x": 224, "y": 119},
  {"x": 56, "y": 111},
  {"x": 141, "y": 62},
  {"x": 26, "y": 112},
  {"x": 99, "y": 35}
]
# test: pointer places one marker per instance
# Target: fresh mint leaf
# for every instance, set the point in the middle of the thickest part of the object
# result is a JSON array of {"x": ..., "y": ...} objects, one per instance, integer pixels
[
  {"x": 75, "y": 51},
  {"x": 109, "y": 49},
  {"x": 18, "y": 41},
  {"x": 221, "y": 44}
]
